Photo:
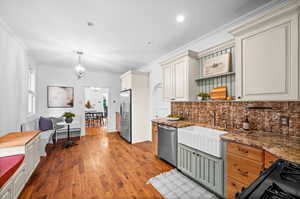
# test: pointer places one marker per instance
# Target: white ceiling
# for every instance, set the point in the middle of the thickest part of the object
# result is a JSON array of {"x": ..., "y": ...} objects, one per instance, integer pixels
[{"x": 53, "y": 29}]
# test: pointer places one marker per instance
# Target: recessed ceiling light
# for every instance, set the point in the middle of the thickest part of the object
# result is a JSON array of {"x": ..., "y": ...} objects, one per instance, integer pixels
[
  {"x": 180, "y": 18},
  {"x": 89, "y": 23},
  {"x": 149, "y": 43}
]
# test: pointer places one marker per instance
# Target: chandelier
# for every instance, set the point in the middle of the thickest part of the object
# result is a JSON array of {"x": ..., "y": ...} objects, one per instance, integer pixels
[{"x": 79, "y": 69}]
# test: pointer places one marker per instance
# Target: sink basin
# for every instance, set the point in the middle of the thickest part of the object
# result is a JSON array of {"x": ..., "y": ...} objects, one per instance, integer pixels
[{"x": 204, "y": 139}]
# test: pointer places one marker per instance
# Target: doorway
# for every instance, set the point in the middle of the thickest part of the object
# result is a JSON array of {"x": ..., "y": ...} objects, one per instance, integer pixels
[{"x": 96, "y": 103}]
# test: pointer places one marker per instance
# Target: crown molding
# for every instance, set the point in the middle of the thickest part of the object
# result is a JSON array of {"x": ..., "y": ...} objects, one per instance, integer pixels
[
  {"x": 134, "y": 73},
  {"x": 263, "y": 9},
  {"x": 187, "y": 53},
  {"x": 289, "y": 7},
  {"x": 11, "y": 33},
  {"x": 217, "y": 48}
]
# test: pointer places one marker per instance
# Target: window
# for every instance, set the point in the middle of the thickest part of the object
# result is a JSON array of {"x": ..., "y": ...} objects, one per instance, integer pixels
[{"x": 31, "y": 92}]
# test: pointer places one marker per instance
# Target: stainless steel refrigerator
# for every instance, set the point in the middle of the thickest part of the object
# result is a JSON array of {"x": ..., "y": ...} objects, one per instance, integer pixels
[{"x": 125, "y": 112}]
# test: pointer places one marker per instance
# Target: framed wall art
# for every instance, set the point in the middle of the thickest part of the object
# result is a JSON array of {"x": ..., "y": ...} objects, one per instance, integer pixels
[
  {"x": 216, "y": 65},
  {"x": 60, "y": 97}
]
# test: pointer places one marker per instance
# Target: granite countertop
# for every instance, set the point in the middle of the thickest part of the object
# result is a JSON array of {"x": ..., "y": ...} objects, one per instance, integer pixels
[
  {"x": 177, "y": 124},
  {"x": 282, "y": 146},
  {"x": 285, "y": 147},
  {"x": 17, "y": 139}
]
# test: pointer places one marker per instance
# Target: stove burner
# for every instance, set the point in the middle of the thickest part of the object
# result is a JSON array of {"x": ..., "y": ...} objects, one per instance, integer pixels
[
  {"x": 275, "y": 192},
  {"x": 291, "y": 172}
]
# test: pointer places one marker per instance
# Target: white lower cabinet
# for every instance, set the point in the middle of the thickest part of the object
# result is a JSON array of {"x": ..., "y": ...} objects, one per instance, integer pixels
[
  {"x": 32, "y": 155},
  {"x": 7, "y": 191},
  {"x": 184, "y": 162},
  {"x": 20, "y": 180},
  {"x": 13, "y": 187},
  {"x": 204, "y": 168}
]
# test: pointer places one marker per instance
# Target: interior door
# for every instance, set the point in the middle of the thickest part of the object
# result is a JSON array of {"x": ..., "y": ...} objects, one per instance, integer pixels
[{"x": 125, "y": 115}]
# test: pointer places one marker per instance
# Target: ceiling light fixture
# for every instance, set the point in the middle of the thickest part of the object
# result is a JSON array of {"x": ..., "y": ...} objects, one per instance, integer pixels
[
  {"x": 79, "y": 69},
  {"x": 180, "y": 18},
  {"x": 89, "y": 23}
]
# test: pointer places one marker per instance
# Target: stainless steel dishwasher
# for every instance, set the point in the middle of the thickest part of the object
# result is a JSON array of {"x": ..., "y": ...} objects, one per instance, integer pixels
[{"x": 167, "y": 144}]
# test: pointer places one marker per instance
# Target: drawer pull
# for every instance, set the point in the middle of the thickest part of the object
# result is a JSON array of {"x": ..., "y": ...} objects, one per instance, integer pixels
[
  {"x": 243, "y": 150},
  {"x": 243, "y": 173}
]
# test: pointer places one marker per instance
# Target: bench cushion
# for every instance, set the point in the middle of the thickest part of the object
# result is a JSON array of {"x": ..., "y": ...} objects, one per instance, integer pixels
[{"x": 8, "y": 166}]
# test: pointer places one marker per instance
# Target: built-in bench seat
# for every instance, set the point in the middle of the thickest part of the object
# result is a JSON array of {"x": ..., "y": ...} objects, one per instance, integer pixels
[{"x": 8, "y": 166}]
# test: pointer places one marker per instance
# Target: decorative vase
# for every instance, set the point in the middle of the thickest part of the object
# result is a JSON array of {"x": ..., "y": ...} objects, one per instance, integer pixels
[
  {"x": 200, "y": 98},
  {"x": 68, "y": 120}
]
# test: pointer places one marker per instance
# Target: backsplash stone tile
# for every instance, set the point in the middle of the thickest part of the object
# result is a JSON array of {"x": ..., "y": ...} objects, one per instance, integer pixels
[{"x": 232, "y": 114}]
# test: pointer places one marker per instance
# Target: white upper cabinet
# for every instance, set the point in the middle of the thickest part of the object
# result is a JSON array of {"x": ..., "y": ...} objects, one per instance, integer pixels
[
  {"x": 180, "y": 79},
  {"x": 267, "y": 53},
  {"x": 167, "y": 71},
  {"x": 179, "y": 74},
  {"x": 126, "y": 81}
]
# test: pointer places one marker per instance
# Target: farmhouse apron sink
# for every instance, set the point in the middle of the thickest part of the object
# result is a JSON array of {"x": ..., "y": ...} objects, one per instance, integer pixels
[{"x": 204, "y": 139}]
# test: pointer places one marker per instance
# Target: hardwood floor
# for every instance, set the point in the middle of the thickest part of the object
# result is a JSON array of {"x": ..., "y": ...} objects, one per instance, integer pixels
[
  {"x": 95, "y": 131},
  {"x": 101, "y": 166}
]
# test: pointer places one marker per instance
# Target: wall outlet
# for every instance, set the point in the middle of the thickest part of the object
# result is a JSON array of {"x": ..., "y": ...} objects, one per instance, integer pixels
[{"x": 284, "y": 120}]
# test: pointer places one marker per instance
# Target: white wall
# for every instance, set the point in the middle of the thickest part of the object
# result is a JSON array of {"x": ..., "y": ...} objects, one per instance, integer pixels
[
  {"x": 55, "y": 76},
  {"x": 13, "y": 76},
  {"x": 213, "y": 38}
]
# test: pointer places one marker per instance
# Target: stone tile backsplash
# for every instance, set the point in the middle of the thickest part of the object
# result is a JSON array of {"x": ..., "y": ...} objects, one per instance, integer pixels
[{"x": 232, "y": 114}]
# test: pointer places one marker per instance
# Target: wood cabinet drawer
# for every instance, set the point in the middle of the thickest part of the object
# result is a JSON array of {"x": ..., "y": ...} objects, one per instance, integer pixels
[
  {"x": 243, "y": 170},
  {"x": 233, "y": 187},
  {"x": 269, "y": 159},
  {"x": 246, "y": 151}
]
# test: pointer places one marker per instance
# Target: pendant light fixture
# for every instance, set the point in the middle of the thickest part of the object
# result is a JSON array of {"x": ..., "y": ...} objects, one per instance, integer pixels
[{"x": 79, "y": 69}]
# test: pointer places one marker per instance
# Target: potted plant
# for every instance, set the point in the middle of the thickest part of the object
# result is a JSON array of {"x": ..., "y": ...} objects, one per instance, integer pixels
[
  {"x": 202, "y": 96},
  {"x": 68, "y": 117}
]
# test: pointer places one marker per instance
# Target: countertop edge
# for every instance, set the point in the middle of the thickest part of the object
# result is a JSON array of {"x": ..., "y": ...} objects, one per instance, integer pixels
[
  {"x": 28, "y": 136},
  {"x": 278, "y": 153}
]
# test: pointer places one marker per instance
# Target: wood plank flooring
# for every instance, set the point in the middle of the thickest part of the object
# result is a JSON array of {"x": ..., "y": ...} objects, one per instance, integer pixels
[{"x": 101, "y": 166}]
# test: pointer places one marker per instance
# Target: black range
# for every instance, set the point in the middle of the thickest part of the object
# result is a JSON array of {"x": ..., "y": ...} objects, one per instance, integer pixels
[{"x": 280, "y": 181}]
